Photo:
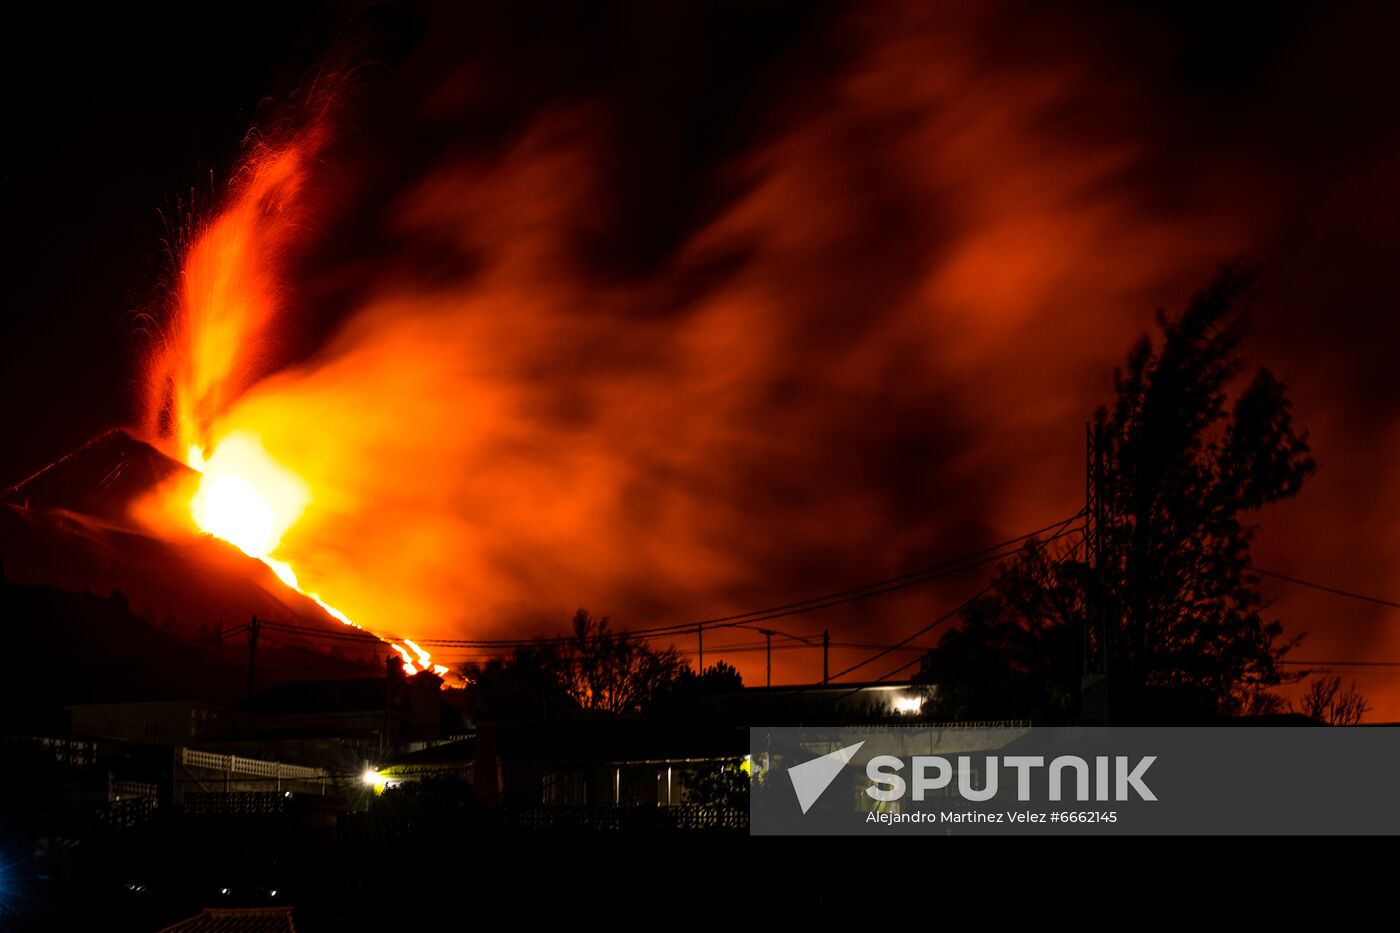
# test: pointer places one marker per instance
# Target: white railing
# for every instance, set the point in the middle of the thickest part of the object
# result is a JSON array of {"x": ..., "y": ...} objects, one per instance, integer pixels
[
  {"x": 234, "y": 764},
  {"x": 966, "y": 725}
]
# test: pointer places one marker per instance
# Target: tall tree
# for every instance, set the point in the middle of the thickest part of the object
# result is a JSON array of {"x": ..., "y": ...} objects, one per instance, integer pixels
[
  {"x": 528, "y": 686},
  {"x": 612, "y": 672},
  {"x": 1172, "y": 611},
  {"x": 594, "y": 671}
]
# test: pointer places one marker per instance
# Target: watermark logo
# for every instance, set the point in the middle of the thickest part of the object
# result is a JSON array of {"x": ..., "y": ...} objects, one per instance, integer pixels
[
  {"x": 1013, "y": 778},
  {"x": 811, "y": 778},
  {"x": 936, "y": 773}
]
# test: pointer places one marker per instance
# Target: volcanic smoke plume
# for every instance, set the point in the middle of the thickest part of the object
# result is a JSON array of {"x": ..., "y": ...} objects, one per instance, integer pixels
[{"x": 459, "y": 373}]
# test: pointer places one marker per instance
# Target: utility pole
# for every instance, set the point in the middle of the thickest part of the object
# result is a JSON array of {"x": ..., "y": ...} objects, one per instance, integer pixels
[
  {"x": 1089, "y": 506},
  {"x": 1101, "y": 513},
  {"x": 700, "y": 634},
  {"x": 1093, "y": 690},
  {"x": 768, "y": 639},
  {"x": 252, "y": 652},
  {"x": 826, "y": 656}
]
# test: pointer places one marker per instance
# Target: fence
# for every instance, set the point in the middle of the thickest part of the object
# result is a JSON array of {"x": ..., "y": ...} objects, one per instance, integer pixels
[
  {"x": 121, "y": 789},
  {"x": 253, "y": 803},
  {"x": 127, "y": 812},
  {"x": 213, "y": 773},
  {"x": 627, "y": 819},
  {"x": 233, "y": 764}
]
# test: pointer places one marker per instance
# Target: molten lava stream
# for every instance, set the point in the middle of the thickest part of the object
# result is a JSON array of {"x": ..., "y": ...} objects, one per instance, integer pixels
[{"x": 249, "y": 500}]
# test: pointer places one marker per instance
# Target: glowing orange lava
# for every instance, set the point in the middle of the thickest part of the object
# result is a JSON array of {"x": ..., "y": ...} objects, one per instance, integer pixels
[{"x": 249, "y": 500}]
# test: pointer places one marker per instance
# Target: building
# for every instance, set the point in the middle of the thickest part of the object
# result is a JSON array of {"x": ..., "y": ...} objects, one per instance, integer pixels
[{"x": 296, "y": 746}]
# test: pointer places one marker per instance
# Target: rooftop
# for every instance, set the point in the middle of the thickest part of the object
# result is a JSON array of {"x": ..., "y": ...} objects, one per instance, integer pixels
[{"x": 237, "y": 920}]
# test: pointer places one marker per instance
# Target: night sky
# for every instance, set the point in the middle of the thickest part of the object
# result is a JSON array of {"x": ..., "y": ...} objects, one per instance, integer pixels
[{"x": 728, "y": 303}]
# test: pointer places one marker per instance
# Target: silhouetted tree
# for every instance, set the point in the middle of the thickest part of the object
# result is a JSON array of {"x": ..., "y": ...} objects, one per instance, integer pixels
[
  {"x": 528, "y": 686},
  {"x": 1178, "y": 613},
  {"x": 717, "y": 678},
  {"x": 1328, "y": 701},
  {"x": 682, "y": 699},
  {"x": 595, "y": 670},
  {"x": 1017, "y": 652},
  {"x": 612, "y": 672}
]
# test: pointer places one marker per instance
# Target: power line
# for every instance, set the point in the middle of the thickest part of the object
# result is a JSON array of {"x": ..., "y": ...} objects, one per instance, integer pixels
[
  {"x": 881, "y": 586},
  {"x": 1343, "y": 663},
  {"x": 832, "y": 701},
  {"x": 936, "y": 622},
  {"x": 841, "y": 597},
  {"x": 806, "y": 641},
  {"x": 348, "y": 635},
  {"x": 470, "y": 654},
  {"x": 927, "y": 628},
  {"x": 1391, "y": 604},
  {"x": 161, "y": 653},
  {"x": 816, "y": 646},
  {"x": 867, "y": 591},
  {"x": 347, "y": 662},
  {"x": 202, "y": 641},
  {"x": 899, "y": 670},
  {"x": 947, "y": 615}
]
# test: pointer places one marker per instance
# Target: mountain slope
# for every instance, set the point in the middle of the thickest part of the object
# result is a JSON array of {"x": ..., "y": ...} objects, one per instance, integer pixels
[{"x": 69, "y": 528}]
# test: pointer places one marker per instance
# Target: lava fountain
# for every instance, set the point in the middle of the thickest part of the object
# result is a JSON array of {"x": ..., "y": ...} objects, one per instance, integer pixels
[{"x": 215, "y": 346}]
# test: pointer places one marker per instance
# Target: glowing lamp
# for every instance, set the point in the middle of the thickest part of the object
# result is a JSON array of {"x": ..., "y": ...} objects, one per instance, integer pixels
[{"x": 908, "y": 706}]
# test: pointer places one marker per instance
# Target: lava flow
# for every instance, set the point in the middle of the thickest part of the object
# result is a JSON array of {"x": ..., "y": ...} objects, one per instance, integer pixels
[
  {"x": 213, "y": 349},
  {"x": 249, "y": 500}
]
